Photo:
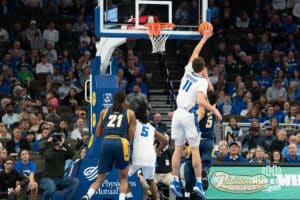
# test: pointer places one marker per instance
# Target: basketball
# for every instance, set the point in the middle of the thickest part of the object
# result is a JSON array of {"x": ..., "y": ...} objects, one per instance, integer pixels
[{"x": 205, "y": 25}]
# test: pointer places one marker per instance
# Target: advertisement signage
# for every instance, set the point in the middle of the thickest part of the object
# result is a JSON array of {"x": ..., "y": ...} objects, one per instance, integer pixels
[{"x": 254, "y": 182}]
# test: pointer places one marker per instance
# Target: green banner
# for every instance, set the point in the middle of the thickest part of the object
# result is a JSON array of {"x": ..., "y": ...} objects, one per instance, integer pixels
[{"x": 254, "y": 182}]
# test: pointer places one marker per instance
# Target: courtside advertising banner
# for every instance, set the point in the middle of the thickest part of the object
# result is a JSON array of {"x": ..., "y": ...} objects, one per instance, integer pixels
[{"x": 254, "y": 182}]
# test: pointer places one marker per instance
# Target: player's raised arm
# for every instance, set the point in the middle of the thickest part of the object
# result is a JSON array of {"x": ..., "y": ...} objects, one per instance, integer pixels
[
  {"x": 202, "y": 101},
  {"x": 207, "y": 33},
  {"x": 204, "y": 73},
  {"x": 132, "y": 126}
]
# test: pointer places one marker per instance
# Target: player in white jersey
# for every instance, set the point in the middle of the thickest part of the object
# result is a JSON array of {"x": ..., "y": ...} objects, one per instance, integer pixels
[
  {"x": 191, "y": 95},
  {"x": 144, "y": 153}
]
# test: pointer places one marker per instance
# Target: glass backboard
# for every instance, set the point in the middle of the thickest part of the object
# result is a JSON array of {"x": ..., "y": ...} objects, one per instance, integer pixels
[{"x": 126, "y": 18}]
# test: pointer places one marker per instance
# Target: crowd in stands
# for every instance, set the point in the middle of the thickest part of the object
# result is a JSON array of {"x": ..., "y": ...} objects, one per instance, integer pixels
[{"x": 46, "y": 58}]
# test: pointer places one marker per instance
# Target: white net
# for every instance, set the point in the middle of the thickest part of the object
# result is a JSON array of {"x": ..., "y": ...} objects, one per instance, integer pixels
[
  {"x": 159, "y": 42},
  {"x": 158, "y": 34}
]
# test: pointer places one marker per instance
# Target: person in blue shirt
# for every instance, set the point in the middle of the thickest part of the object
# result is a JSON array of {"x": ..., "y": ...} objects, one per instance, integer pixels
[
  {"x": 259, "y": 156},
  {"x": 233, "y": 155},
  {"x": 292, "y": 157},
  {"x": 264, "y": 79},
  {"x": 278, "y": 113},
  {"x": 28, "y": 168}
]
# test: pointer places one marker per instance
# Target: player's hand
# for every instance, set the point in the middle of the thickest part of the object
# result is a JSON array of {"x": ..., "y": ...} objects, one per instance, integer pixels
[
  {"x": 218, "y": 114},
  {"x": 207, "y": 32},
  {"x": 158, "y": 152}
]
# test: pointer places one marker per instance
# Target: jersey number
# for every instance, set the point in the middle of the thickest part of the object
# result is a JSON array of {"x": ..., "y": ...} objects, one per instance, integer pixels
[
  {"x": 115, "y": 121},
  {"x": 145, "y": 130},
  {"x": 209, "y": 121},
  {"x": 187, "y": 85}
]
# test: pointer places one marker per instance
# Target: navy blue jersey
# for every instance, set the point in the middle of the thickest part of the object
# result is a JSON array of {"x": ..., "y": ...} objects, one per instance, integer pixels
[
  {"x": 206, "y": 124},
  {"x": 116, "y": 123}
]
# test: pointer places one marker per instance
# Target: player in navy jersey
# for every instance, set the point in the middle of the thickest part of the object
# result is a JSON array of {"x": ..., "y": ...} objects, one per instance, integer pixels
[
  {"x": 206, "y": 125},
  {"x": 117, "y": 126}
]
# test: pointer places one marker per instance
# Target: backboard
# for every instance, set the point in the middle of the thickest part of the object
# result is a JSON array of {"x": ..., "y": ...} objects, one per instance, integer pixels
[{"x": 126, "y": 18}]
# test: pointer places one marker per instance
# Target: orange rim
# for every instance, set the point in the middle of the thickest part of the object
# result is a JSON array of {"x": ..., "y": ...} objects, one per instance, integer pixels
[{"x": 155, "y": 28}]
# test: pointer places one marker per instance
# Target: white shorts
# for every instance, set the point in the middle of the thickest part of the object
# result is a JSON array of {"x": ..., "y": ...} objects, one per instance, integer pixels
[
  {"x": 148, "y": 172},
  {"x": 185, "y": 126}
]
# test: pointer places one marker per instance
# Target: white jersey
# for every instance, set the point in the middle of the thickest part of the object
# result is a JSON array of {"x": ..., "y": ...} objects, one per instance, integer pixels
[
  {"x": 143, "y": 145},
  {"x": 191, "y": 84}
]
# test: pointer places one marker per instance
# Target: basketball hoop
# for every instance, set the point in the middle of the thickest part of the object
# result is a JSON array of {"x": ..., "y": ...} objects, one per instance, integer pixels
[{"x": 158, "y": 34}]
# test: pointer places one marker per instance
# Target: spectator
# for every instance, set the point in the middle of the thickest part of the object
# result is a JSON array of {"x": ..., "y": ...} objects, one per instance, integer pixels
[
  {"x": 122, "y": 81},
  {"x": 38, "y": 145},
  {"x": 289, "y": 25},
  {"x": 285, "y": 150},
  {"x": 248, "y": 110},
  {"x": 276, "y": 90},
  {"x": 4, "y": 134},
  {"x": 24, "y": 75},
  {"x": 158, "y": 124},
  {"x": 222, "y": 151},
  {"x": 243, "y": 20},
  {"x": 62, "y": 127},
  {"x": 51, "y": 34},
  {"x": 142, "y": 85},
  {"x": 226, "y": 106},
  {"x": 52, "y": 115},
  {"x": 10, "y": 117},
  {"x": 67, "y": 35},
  {"x": 56, "y": 78},
  {"x": 292, "y": 157},
  {"x": 83, "y": 142},
  {"x": 264, "y": 79},
  {"x": 267, "y": 138},
  {"x": 85, "y": 37},
  {"x": 135, "y": 96},
  {"x": 13, "y": 184},
  {"x": 249, "y": 45},
  {"x": 4, "y": 37},
  {"x": 233, "y": 132},
  {"x": 77, "y": 133},
  {"x": 4, "y": 84},
  {"x": 280, "y": 141},
  {"x": 17, "y": 48},
  {"x": 72, "y": 99},
  {"x": 182, "y": 13},
  {"x": 3, "y": 157},
  {"x": 278, "y": 112},
  {"x": 250, "y": 140},
  {"x": 32, "y": 31},
  {"x": 17, "y": 143},
  {"x": 264, "y": 45},
  {"x": 86, "y": 69},
  {"x": 259, "y": 156},
  {"x": 56, "y": 155},
  {"x": 276, "y": 157},
  {"x": 63, "y": 90},
  {"x": 238, "y": 103},
  {"x": 233, "y": 155},
  {"x": 254, "y": 114},
  {"x": 50, "y": 52},
  {"x": 65, "y": 7},
  {"x": 163, "y": 169},
  {"x": 44, "y": 66},
  {"x": 79, "y": 26},
  {"x": 28, "y": 169},
  {"x": 64, "y": 64}
]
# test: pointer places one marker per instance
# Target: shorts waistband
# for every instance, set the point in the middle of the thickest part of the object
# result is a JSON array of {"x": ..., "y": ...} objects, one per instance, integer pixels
[
  {"x": 113, "y": 136},
  {"x": 190, "y": 110}
]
